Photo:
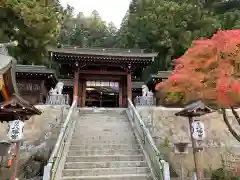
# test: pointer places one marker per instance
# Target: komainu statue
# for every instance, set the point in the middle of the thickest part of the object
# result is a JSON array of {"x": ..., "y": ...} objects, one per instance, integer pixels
[
  {"x": 58, "y": 89},
  {"x": 53, "y": 91},
  {"x": 150, "y": 94},
  {"x": 145, "y": 90},
  {"x": 56, "y": 96}
]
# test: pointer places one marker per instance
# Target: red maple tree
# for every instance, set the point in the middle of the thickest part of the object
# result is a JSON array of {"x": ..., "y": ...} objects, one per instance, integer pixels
[{"x": 209, "y": 71}]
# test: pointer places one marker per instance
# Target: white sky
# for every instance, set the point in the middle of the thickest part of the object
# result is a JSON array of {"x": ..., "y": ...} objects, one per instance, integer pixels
[{"x": 109, "y": 10}]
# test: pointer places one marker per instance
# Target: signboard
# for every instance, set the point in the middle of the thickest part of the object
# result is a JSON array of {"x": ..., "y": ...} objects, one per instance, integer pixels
[
  {"x": 28, "y": 87},
  {"x": 198, "y": 131},
  {"x": 15, "y": 130},
  {"x": 102, "y": 83}
]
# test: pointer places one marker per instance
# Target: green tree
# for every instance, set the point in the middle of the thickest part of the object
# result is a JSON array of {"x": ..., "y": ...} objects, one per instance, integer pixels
[
  {"x": 166, "y": 26},
  {"x": 169, "y": 27},
  {"x": 111, "y": 38},
  {"x": 33, "y": 23},
  {"x": 89, "y": 31}
]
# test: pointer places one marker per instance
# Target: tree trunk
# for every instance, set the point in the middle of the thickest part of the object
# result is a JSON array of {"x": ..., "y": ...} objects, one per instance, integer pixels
[
  {"x": 236, "y": 115},
  {"x": 230, "y": 128}
]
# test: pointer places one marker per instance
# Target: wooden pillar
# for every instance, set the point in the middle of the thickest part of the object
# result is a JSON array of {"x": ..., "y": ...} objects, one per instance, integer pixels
[
  {"x": 124, "y": 93},
  {"x": 5, "y": 94},
  {"x": 41, "y": 92},
  {"x": 196, "y": 153},
  {"x": 120, "y": 96},
  {"x": 16, "y": 161},
  {"x": 80, "y": 93},
  {"x": 83, "y": 93},
  {"x": 129, "y": 86},
  {"x": 76, "y": 84}
]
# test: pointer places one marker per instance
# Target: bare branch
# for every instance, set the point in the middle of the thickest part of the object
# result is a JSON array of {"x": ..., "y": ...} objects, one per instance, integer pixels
[
  {"x": 232, "y": 131},
  {"x": 236, "y": 115}
]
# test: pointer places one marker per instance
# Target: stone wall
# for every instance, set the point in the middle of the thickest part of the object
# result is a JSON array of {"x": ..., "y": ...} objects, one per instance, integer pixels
[
  {"x": 219, "y": 143},
  {"x": 40, "y": 134}
]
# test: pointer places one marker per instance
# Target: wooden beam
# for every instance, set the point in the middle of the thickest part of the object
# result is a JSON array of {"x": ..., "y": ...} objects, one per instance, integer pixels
[
  {"x": 95, "y": 77},
  {"x": 102, "y": 72}
]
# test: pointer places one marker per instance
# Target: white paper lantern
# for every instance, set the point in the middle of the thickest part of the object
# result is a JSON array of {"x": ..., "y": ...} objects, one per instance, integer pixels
[
  {"x": 198, "y": 130},
  {"x": 15, "y": 130}
]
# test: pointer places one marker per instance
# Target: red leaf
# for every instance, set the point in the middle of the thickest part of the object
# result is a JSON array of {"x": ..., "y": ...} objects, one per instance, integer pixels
[{"x": 206, "y": 70}]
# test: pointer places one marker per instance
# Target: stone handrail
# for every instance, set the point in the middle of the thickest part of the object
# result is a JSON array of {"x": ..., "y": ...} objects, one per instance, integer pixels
[
  {"x": 159, "y": 167},
  {"x": 49, "y": 169}
]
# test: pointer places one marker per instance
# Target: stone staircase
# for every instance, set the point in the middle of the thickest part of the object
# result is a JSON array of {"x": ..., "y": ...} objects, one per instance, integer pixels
[{"x": 103, "y": 147}]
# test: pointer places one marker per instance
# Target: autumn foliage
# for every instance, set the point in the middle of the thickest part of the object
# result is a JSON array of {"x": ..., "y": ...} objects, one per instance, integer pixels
[{"x": 209, "y": 71}]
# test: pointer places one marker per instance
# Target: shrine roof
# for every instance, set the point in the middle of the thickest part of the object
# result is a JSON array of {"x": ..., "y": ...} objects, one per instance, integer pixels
[
  {"x": 194, "y": 109},
  {"x": 137, "y": 84},
  {"x": 17, "y": 106},
  {"x": 33, "y": 69},
  {"x": 138, "y": 53},
  {"x": 162, "y": 74}
]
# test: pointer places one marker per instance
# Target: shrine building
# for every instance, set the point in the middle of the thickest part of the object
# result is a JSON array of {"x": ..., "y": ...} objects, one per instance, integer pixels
[
  {"x": 34, "y": 82},
  {"x": 100, "y": 77}
]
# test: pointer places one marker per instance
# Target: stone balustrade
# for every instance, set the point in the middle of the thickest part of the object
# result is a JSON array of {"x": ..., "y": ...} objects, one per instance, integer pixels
[
  {"x": 145, "y": 101},
  {"x": 58, "y": 99}
]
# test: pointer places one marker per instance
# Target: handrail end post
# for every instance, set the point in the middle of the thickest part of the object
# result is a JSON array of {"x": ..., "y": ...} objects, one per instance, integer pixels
[
  {"x": 166, "y": 170},
  {"x": 47, "y": 171}
]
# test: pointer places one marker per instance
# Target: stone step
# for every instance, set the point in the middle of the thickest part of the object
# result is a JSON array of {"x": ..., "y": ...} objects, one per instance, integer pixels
[
  {"x": 105, "y": 171},
  {"x": 106, "y": 119},
  {"x": 103, "y": 164},
  {"x": 99, "y": 146},
  {"x": 103, "y": 152},
  {"x": 104, "y": 135},
  {"x": 111, "y": 177},
  {"x": 86, "y": 130},
  {"x": 105, "y": 158},
  {"x": 104, "y": 122},
  {"x": 102, "y": 138},
  {"x": 103, "y": 141},
  {"x": 105, "y": 114},
  {"x": 114, "y": 112},
  {"x": 111, "y": 123},
  {"x": 89, "y": 133}
]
